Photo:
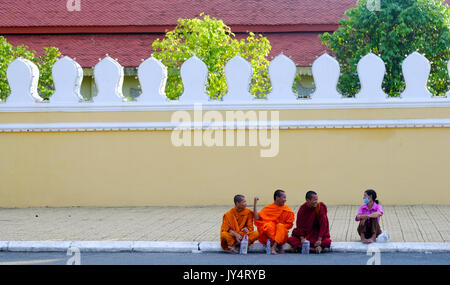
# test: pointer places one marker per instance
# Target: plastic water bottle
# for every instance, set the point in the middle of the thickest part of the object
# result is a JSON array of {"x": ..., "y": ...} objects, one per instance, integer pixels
[
  {"x": 268, "y": 248},
  {"x": 305, "y": 247},
  {"x": 244, "y": 245}
]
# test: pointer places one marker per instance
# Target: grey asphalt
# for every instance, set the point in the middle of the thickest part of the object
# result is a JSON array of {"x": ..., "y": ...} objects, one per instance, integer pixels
[{"x": 126, "y": 258}]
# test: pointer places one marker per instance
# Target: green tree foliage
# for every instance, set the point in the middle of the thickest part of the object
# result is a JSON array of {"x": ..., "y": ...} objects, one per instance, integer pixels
[
  {"x": 44, "y": 62},
  {"x": 393, "y": 32},
  {"x": 214, "y": 43}
]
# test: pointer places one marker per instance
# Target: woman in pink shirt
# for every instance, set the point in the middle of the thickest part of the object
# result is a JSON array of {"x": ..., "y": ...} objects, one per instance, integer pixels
[{"x": 368, "y": 217}]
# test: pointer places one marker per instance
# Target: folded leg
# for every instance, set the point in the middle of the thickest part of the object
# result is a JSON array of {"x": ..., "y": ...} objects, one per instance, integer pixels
[
  {"x": 281, "y": 234},
  {"x": 326, "y": 242},
  {"x": 226, "y": 240},
  {"x": 369, "y": 228},
  {"x": 294, "y": 242},
  {"x": 267, "y": 231},
  {"x": 252, "y": 237}
]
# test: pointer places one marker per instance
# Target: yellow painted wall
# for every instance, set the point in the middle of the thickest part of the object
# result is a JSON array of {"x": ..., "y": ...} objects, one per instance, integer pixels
[
  {"x": 164, "y": 116},
  {"x": 137, "y": 168}
]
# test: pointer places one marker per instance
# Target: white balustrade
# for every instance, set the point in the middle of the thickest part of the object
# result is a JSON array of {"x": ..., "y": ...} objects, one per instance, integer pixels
[
  {"x": 416, "y": 69},
  {"x": 282, "y": 75},
  {"x": 448, "y": 70},
  {"x": 194, "y": 74},
  {"x": 67, "y": 77},
  {"x": 326, "y": 71},
  {"x": 153, "y": 77},
  {"x": 238, "y": 73},
  {"x": 371, "y": 70},
  {"x": 108, "y": 75},
  {"x": 23, "y": 78}
]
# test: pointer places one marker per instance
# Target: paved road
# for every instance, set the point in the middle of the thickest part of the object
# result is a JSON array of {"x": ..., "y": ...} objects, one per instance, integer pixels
[{"x": 7, "y": 258}]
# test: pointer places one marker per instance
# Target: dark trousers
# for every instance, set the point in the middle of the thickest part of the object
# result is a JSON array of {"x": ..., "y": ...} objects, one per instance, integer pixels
[{"x": 369, "y": 227}]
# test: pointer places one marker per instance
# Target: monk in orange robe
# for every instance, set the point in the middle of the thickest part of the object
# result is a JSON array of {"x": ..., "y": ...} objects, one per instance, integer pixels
[
  {"x": 237, "y": 222},
  {"x": 274, "y": 222}
]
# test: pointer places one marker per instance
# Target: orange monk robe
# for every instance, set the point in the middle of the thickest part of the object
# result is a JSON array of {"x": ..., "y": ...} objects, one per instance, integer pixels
[
  {"x": 274, "y": 223},
  {"x": 236, "y": 221}
]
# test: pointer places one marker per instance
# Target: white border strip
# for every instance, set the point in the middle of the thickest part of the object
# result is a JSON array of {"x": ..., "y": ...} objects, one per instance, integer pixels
[
  {"x": 169, "y": 126},
  {"x": 259, "y": 104},
  {"x": 205, "y": 246}
]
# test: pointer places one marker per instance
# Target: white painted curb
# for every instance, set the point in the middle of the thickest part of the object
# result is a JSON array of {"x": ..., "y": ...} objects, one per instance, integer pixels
[
  {"x": 189, "y": 247},
  {"x": 213, "y": 246},
  {"x": 35, "y": 246},
  {"x": 164, "y": 246},
  {"x": 344, "y": 247},
  {"x": 103, "y": 246},
  {"x": 4, "y": 245},
  {"x": 421, "y": 247}
]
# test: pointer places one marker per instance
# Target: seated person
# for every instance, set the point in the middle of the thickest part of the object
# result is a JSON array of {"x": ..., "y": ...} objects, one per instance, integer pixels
[
  {"x": 237, "y": 222},
  {"x": 368, "y": 217},
  {"x": 312, "y": 225},
  {"x": 274, "y": 222}
]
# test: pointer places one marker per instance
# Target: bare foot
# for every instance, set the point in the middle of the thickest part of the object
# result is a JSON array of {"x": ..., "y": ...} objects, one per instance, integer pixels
[
  {"x": 274, "y": 251},
  {"x": 363, "y": 238},
  {"x": 274, "y": 248},
  {"x": 280, "y": 249},
  {"x": 233, "y": 249},
  {"x": 319, "y": 249}
]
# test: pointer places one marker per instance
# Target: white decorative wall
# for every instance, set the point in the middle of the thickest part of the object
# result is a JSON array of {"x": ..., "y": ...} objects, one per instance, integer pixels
[
  {"x": 106, "y": 152},
  {"x": 23, "y": 76}
]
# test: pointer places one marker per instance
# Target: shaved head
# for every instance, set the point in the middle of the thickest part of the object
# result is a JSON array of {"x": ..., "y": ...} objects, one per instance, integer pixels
[
  {"x": 279, "y": 197},
  {"x": 239, "y": 202},
  {"x": 312, "y": 199},
  {"x": 278, "y": 193},
  {"x": 238, "y": 198},
  {"x": 309, "y": 195}
]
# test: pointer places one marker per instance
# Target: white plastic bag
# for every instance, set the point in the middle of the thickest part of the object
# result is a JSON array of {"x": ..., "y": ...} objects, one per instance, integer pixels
[{"x": 383, "y": 237}]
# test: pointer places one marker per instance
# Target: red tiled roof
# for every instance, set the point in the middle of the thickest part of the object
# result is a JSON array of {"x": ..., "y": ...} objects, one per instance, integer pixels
[
  {"x": 126, "y": 29},
  {"x": 28, "y": 13},
  {"x": 129, "y": 49}
]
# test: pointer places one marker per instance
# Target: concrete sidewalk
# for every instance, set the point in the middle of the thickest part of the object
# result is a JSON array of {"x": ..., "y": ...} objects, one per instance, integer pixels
[{"x": 413, "y": 225}]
